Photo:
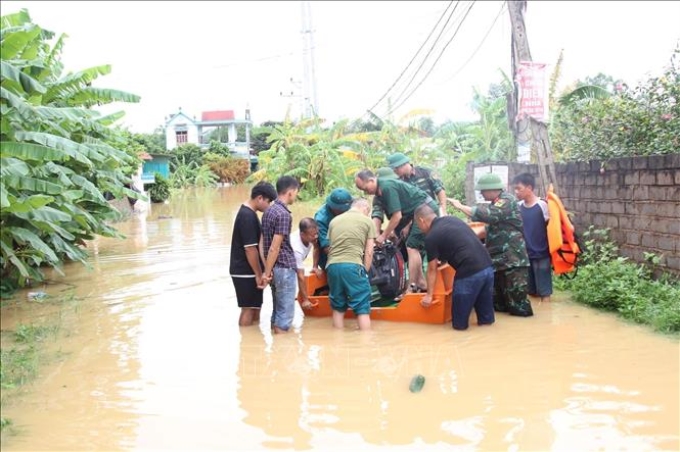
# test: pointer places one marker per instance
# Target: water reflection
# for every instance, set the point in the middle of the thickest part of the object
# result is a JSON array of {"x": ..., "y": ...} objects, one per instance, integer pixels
[
  {"x": 354, "y": 383},
  {"x": 606, "y": 423}
]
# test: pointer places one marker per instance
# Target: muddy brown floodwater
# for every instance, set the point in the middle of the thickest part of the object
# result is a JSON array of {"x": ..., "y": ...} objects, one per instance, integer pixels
[{"x": 154, "y": 359}]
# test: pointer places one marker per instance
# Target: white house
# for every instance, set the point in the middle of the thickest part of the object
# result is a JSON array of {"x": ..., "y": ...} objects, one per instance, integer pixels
[{"x": 181, "y": 129}]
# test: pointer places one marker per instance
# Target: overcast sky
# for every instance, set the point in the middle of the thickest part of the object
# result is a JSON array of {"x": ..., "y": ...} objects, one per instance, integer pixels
[{"x": 226, "y": 55}]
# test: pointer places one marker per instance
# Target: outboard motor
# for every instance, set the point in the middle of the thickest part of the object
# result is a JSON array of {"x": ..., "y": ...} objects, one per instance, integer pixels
[{"x": 387, "y": 271}]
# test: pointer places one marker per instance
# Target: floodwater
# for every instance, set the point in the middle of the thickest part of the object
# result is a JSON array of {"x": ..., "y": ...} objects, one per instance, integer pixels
[{"x": 154, "y": 360}]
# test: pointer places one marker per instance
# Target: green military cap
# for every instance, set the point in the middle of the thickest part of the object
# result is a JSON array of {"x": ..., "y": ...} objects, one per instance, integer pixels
[
  {"x": 386, "y": 173},
  {"x": 396, "y": 160},
  {"x": 489, "y": 181}
]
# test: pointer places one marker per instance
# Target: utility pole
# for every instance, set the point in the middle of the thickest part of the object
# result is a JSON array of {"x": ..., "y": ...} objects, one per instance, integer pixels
[
  {"x": 528, "y": 130},
  {"x": 295, "y": 93},
  {"x": 308, "y": 63}
]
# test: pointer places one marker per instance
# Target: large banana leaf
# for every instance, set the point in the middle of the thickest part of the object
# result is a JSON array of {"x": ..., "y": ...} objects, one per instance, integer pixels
[
  {"x": 13, "y": 167},
  {"x": 32, "y": 152},
  {"x": 23, "y": 108},
  {"x": 91, "y": 95},
  {"x": 76, "y": 151},
  {"x": 73, "y": 252},
  {"x": 15, "y": 22},
  {"x": 111, "y": 118},
  {"x": 88, "y": 187},
  {"x": 15, "y": 43},
  {"x": 71, "y": 84},
  {"x": 8, "y": 254},
  {"x": 24, "y": 236},
  {"x": 586, "y": 92},
  {"x": 45, "y": 214},
  {"x": 52, "y": 65},
  {"x": 33, "y": 185},
  {"x": 28, "y": 204},
  {"x": 4, "y": 197}
]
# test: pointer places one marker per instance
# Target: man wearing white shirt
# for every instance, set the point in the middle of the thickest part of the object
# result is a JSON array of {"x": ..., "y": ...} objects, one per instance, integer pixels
[{"x": 302, "y": 242}]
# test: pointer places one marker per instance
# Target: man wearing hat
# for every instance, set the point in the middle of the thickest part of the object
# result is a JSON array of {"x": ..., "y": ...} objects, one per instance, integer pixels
[
  {"x": 505, "y": 243},
  {"x": 338, "y": 201},
  {"x": 420, "y": 177},
  {"x": 400, "y": 200},
  {"x": 378, "y": 208}
]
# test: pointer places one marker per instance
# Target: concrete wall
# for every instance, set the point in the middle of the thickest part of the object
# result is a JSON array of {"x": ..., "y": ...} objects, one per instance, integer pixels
[{"x": 637, "y": 198}]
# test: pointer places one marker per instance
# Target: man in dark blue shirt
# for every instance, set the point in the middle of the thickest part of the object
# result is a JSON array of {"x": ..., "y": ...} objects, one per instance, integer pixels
[{"x": 535, "y": 216}]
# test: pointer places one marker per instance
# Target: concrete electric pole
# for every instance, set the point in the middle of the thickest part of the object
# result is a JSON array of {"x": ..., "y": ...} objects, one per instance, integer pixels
[
  {"x": 528, "y": 131},
  {"x": 308, "y": 63},
  {"x": 295, "y": 94}
]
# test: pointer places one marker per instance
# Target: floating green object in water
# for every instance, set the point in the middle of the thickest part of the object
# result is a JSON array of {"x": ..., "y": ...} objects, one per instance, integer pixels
[{"x": 417, "y": 383}]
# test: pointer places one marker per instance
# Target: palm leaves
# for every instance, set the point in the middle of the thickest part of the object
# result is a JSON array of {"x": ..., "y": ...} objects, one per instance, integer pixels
[
  {"x": 586, "y": 92},
  {"x": 55, "y": 153}
]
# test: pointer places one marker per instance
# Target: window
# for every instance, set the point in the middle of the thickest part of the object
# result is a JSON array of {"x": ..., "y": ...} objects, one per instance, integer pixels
[{"x": 181, "y": 137}]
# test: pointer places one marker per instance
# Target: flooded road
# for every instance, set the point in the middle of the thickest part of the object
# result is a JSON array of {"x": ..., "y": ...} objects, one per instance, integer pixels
[{"x": 154, "y": 359}]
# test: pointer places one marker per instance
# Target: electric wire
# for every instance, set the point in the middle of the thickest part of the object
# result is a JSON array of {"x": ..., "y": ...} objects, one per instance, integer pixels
[
  {"x": 394, "y": 108},
  {"x": 414, "y": 56},
  {"x": 474, "y": 53},
  {"x": 429, "y": 52}
]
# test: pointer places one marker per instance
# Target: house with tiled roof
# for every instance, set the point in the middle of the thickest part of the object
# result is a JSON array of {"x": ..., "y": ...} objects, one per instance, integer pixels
[{"x": 181, "y": 128}]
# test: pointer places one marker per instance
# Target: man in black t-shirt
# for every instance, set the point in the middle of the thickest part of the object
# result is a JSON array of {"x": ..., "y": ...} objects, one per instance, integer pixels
[
  {"x": 449, "y": 239},
  {"x": 245, "y": 266}
]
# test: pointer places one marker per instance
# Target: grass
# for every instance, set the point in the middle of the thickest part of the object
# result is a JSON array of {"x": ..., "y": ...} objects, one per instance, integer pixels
[
  {"x": 638, "y": 292},
  {"x": 23, "y": 349}
]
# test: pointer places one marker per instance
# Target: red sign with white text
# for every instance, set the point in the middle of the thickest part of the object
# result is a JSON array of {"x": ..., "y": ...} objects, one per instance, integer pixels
[{"x": 532, "y": 91}]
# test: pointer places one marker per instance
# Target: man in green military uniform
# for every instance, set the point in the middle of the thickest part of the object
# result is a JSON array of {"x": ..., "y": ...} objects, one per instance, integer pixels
[
  {"x": 505, "y": 243},
  {"x": 377, "y": 207},
  {"x": 420, "y": 177},
  {"x": 400, "y": 201}
]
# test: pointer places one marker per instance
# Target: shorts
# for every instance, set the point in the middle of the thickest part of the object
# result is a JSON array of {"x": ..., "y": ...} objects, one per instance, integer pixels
[
  {"x": 349, "y": 287},
  {"x": 540, "y": 277},
  {"x": 247, "y": 293}
]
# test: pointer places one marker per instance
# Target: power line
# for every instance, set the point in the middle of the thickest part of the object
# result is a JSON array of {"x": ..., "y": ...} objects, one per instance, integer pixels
[
  {"x": 414, "y": 56},
  {"x": 392, "y": 110},
  {"x": 474, "y": 53},
  {"x": 429, "y": 52}
]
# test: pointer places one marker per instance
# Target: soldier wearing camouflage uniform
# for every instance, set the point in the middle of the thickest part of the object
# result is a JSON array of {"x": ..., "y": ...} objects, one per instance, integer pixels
[{"x": 505, "y": 243}]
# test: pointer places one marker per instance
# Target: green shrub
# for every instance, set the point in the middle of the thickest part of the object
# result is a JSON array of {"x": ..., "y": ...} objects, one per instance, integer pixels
[
  {"x": 643, "y": 120},
  {"x": 160, "y": 190},
  {"x": 612, "y": 283}
]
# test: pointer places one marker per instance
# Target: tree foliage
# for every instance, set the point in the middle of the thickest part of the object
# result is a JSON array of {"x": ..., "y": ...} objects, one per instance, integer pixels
[
  {"x": 643, "y": 120},
  {"x": 486, "y": 140},
  {"x": 57, "y": 154},
  {"x": 160, "y": 190},
  {"x": 228, "y": 169}
]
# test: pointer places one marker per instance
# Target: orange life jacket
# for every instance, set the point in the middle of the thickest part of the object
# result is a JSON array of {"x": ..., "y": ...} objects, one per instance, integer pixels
[{"x": 564, "y": 249}]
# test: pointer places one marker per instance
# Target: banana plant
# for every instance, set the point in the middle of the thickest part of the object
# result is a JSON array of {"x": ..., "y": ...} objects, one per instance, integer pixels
[{"x": 58, "y": 155}]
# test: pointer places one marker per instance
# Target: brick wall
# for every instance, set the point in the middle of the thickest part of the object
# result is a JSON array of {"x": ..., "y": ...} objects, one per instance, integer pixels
[{"x": 637, "y": 198}]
